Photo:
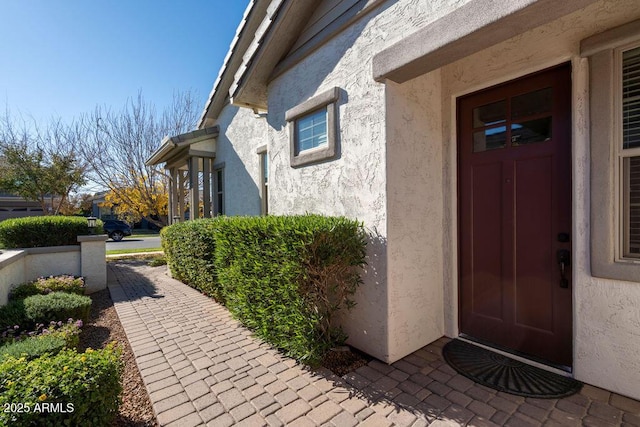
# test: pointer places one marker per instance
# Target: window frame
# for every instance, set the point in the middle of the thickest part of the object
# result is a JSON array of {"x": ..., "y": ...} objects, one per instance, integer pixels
[
  {"x": 263, "y": 157},
  {"x": 328, "y": 100},
  {"x": 604, "y": 53},
  {"x": 622, "y": 154},
  {"x": 218, "y": 182}
]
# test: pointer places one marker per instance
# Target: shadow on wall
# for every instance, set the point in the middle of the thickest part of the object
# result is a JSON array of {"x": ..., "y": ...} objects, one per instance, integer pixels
[
  {"x": 321, "y": 69},
  {"x": 241, "y": 194},
  {"x": 372, "y": 306}
]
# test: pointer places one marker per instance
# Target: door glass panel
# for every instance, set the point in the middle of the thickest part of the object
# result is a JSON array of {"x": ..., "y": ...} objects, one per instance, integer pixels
[
  {"x": 532, "y": 103},
  {"x": 490, "y": 139},
  {"x": 490, "y": 114},
  {"x": 531, "y": 131}
]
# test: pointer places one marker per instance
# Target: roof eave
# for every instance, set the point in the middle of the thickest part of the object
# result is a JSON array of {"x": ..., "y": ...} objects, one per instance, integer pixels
[{"x": 244, "y": 35}]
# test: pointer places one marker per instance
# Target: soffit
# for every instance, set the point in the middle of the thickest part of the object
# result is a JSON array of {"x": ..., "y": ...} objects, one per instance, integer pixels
[
  {"x": 474, "y": 26},
  {"x": 219, "y": 95},
  {"x": 274, "y": 38},
  {"x": 178, "y": 147}
]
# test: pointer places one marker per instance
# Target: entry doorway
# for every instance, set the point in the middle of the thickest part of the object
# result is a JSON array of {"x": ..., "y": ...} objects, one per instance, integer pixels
[{"x": 514, "y": 190}]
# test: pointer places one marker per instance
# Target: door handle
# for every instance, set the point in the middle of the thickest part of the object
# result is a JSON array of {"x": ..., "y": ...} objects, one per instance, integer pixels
[{"x": 564, "y": 259}]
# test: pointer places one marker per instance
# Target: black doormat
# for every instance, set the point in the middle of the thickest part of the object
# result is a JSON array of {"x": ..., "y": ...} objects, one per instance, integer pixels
[{"x": 505, "y": 374}]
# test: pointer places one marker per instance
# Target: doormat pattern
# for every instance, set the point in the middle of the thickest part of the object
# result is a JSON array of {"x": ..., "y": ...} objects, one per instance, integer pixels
[{"x": 505, "y": 374}]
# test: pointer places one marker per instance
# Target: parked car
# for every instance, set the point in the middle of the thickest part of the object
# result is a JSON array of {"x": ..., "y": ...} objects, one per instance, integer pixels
[{"x": 116, "y": 229}]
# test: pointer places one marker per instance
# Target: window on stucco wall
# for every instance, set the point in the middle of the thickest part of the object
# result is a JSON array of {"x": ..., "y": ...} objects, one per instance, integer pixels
[
  {"x": 218, "y": 182},
  {"x": 614, "y": 104},
  {"x": 629, "y": 153},
  {"x": 264, "y": 179},
  {"x": 313, "y": 128}
]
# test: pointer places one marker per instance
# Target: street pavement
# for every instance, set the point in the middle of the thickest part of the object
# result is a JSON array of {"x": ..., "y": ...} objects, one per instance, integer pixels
[{"x": 134, "y": 243}]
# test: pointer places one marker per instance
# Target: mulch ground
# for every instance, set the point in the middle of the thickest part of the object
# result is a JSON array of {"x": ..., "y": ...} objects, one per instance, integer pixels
[
  {"x": 136, "y": 410},
  {"x": 104, "y": 327}
]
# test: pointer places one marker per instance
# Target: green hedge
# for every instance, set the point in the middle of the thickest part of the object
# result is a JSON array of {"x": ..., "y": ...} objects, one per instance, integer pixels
[
  {"x": 46, "y": 285},
  {"x": 12, "y": 315},
  {"x": 189, "y": 249},
  {"x": 80, "y": 389},
  {"x": 57, "y": 306},
  {"x": 40, "y": 231},
  {"x": 283, "y": 277}
]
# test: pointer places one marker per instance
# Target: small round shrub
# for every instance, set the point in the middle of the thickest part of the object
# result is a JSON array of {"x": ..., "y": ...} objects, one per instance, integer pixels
[
  {"x": 40, "y": 231},
  {"x": 34, "y": 347},
  {"x": 57, "y": 306},
  {"x": 13, "y": 316},
  {"x": 70, "y": 331},
  {"x": 46, "y": 285}
]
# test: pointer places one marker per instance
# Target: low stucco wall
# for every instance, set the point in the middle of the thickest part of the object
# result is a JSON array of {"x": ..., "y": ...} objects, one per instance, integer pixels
[
  {"x": 11, "y": 272},
  {"x": 87, "y": 260},
  {"x": 52, "y": 261}
]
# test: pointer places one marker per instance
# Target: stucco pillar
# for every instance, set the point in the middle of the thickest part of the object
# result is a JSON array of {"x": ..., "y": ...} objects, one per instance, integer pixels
[{"x": 93, "y": 264}]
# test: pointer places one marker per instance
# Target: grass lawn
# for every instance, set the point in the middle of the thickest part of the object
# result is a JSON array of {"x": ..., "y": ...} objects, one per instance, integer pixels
[
  {"x": 133, "y": 251},
  {"x": 141, "y": 234}
]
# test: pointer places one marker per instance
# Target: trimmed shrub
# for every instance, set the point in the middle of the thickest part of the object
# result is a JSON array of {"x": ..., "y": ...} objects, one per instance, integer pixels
[
  {"x": 34, "y": 347},
  {"x": 285, "y": 277},
  {"x": 57, "y": 306},
  {"x": 189, "y": 249},
  {"x": 46, "y": 285},
  {"x": 13, "y": 315},
  {"x": 69, "y": 331},
  {"x": 39, "y": 231},
  {"x": 83, "y": 387}
]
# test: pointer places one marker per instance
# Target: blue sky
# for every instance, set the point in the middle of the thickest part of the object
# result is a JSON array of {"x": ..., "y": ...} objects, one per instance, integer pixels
[{"x": 59, "y": 59}]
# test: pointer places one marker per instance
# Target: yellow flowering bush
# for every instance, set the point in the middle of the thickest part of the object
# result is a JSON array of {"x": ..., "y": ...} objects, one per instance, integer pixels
[{"x": 77, "y": 388}]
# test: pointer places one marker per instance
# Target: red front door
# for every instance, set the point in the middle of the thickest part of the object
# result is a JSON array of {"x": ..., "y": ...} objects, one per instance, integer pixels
[{"x": 514, "y": 158}]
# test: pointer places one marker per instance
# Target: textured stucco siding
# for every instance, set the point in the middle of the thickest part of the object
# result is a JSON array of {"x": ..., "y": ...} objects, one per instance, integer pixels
[
  {"x": 354, "y": 184},
  {"x": 414, "y": 209},
  {"x": 606, "y": 312},
  {"x": 52, "y": 264},
  {"x": 241, "y": 133},
  {"x": 12, "y": 272}
]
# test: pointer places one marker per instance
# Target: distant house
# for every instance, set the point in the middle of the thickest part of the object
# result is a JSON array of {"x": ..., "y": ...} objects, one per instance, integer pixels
[
  {"x": 98, "y": 210},
  {"x": 12, "y": 206},
  {"x": 491, "y": 147}
]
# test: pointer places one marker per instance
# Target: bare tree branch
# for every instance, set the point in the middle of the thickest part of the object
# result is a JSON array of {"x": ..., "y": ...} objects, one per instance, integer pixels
[{"x": 119, "y": 143}]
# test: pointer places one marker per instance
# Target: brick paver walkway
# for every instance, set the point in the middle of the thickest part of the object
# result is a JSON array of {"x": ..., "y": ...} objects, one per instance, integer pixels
[{"x": 201, "y": 367}]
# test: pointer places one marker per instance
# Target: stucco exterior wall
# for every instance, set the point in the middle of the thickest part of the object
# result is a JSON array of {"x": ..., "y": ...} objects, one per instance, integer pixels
[
  {"x": 606, "y": 320},
  {"x": 53, "y": 263},
  {"x": 414, "y": 213},
  {"x": 354, "y": 184},
  {"x": 241, "y": 133},
  {"x": 11, "y": 272}
]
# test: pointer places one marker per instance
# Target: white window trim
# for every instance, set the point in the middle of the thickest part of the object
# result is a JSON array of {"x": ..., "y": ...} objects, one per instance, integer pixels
[{"x": 323, "y": 152}]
